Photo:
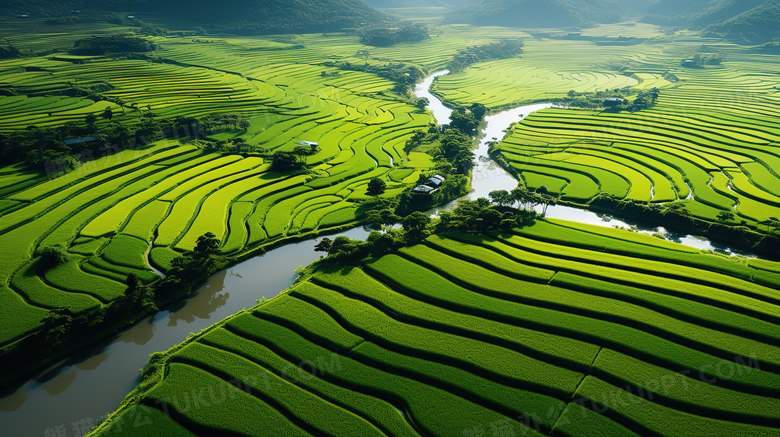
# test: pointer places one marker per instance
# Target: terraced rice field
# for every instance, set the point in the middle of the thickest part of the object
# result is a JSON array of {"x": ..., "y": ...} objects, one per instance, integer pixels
[
  {"x": 553, "y": 329},
  {"x": 109, "y": 212},
  {"x": 711, "y": 139},
  {"x": 513, "y": 81}
]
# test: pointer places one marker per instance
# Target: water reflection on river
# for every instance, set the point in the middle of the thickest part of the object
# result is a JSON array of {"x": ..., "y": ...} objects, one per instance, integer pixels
[{"x": 92, "y": 382}]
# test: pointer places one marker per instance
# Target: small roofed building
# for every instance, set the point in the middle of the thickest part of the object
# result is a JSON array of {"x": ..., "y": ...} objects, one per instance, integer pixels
[
  {"x": 314, "y": 146},
  {"x": 611, "y": 102},
  {"x": 131, "y": 17},
  {"x": 430, "y": 186},
  {"x": 690, "y": 63},
  {"x": 422, "y": 189},
  {"x": 23, "y": 16}
]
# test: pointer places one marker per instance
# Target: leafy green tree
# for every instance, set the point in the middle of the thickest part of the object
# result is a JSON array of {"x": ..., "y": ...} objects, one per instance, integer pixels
[
  {"x": 489, "y": 218},
  {"x": 415, "y": 225},
  {"x": 478, "y": 110},
  {"x": 286, "y": 161},
  {"x": 725, "y": 216},
  {"x": 53, "y": 256},
  {"x": 58, "y": 326},
  {"x": 342, "y": 244},
  {"x": 415, "y": 220},
  {"x": 323, "y": 245},
  {"x": 389, "y": 219},
  {"x": 376, "y": 187},
  {"x": 207, "y": 245},
  {"x": 501, "y": 197},
  {"x": 465, "y": 123},
  {"x": 548, "y": 201}
]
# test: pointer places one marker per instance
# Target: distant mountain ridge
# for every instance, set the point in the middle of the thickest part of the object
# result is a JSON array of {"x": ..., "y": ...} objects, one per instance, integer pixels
[
  {"x": 262, "y": 15},
  {"x": 751, "y": 20},
  {"x": 538, "y": 13},
  {"x": 417, "y": 3}
]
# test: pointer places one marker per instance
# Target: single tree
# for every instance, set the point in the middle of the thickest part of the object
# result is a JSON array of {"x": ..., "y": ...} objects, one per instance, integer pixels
[
  {"x": 376, "y": 187},
  {"x": 415, "y": 221},
  {"x": 725, "y": 216},
  {"x": 422, "y": 103},
  {"x": 108, "y": 114},
  {"x": 478, "y": 110},
  {"x": 323, "y": 245},
  {"x": 388, "y": 218},
  {"x": 244, "y": 124},
  {"x": 548, "y": 201},
  {"x": 501, "y": 197},
  {"x": 489, "y": 218},
  {"x": 52, "y": 257},
  {"x": 207, "y": 244}
]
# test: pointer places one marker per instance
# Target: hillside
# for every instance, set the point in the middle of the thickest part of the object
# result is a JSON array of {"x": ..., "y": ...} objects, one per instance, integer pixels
[
  {"x": 264, "y": 16},
  {"x": 759, "y": 24},
  {"x": 538, "y": 13},
  {"x": 416, "y": 3},
  {"x": 749, "y": 20}
]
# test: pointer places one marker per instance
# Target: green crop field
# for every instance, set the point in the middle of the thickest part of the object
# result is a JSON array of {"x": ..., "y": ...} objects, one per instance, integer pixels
[
  {"x": 108, "y": 213},
  {"x": 710, "y": 141},
  {"x": 555, "y": 329}
]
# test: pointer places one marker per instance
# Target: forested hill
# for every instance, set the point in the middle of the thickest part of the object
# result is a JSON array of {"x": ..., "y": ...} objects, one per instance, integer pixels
[
  {"x": 261, "y": 15},
  {"x": 752, "y": 20},
  {"x": 538, "y": 13}
]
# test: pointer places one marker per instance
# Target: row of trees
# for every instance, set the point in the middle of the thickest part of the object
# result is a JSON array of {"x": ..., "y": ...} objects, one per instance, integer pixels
[
  {"x": 504, "y": 49},
  {"x": 521, "y": 197},
  {"x": 385, "y": 37},
  {"x": 475, "y": 216},
  {"x": 403, "y": 74},
  {"x": 40, "y": 145},
  {"x": 100, "y": 45},
  {"x": 772, "y": 224},
  {"x": 614, "y": 100}
]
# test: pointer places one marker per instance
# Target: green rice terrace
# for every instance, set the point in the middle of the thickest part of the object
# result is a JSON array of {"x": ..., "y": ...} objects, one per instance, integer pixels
[
  {"x": 552, "y": 329},
  {"x": 138, "y": 164}
]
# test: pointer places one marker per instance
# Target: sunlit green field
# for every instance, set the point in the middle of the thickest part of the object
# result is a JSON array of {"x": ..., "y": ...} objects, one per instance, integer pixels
[
  {"x": 109, "y": 212},
  {"x": 464, "y": 334},
  {"x": 553, "y": 329},
  {"x": 710, "y": 140}
]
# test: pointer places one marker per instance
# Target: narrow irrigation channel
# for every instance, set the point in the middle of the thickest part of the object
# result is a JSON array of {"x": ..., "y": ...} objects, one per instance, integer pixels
[{"x": 92, "y": 382}]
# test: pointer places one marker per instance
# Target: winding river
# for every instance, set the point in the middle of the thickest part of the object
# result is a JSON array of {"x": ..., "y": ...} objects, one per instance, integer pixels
[{"x": 92, "y": 382}]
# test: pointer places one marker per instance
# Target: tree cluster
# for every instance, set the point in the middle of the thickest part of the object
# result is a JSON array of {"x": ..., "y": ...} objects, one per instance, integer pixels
[
  {"x": 702, "y": 59},
  {"x": 475, "y": 216},
  {"x": 100, "y": 45},
  {"x": 285, "y": 161},
  {"x": 385, "y": 37},
  {"x": 524, "y": 199},
  {"x": 504, "y": 49},
  {"x": 38, "y": 146},
  {"x": 403, "y": 74},
  {"x": 9, "y": 52}
]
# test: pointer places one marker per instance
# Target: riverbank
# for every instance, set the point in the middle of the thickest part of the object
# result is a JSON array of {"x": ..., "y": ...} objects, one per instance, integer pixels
[{"x": 93, "y": 381}]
